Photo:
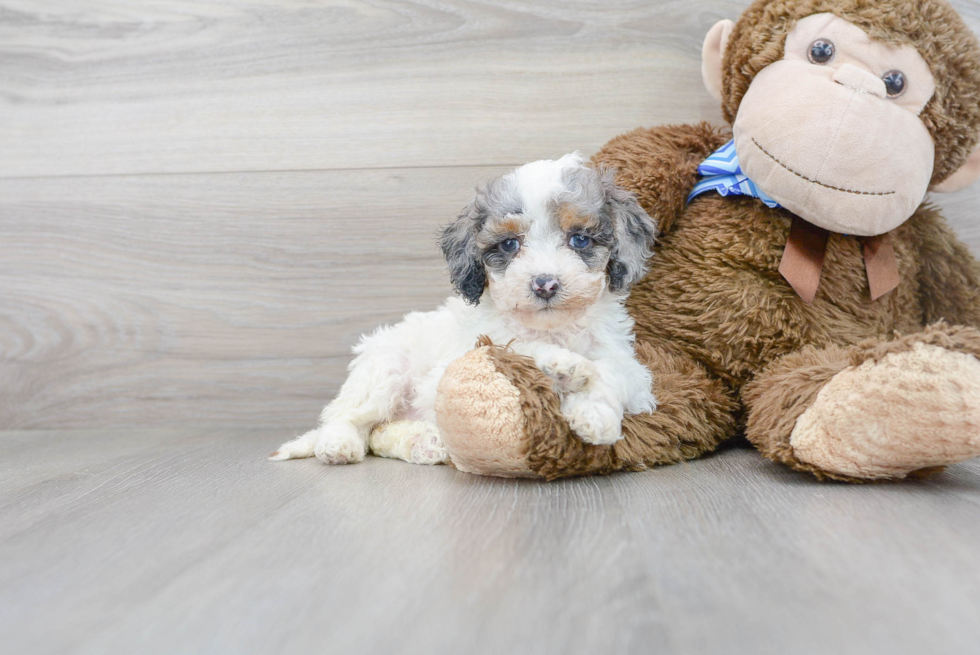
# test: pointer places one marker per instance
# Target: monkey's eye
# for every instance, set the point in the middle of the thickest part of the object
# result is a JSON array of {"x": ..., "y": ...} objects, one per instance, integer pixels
[
  {"x": 821, "y": 51},
  {"x": 580, "y": 242},
  {"x": 510, "y": 246},
  {"x": 894, "y": 83}
]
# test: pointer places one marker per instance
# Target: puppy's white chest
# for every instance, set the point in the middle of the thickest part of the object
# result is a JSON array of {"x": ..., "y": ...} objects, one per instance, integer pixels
[{"x": 583, "y": 344}]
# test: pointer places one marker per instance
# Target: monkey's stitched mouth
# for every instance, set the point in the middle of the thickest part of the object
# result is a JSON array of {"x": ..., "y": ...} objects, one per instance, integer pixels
[{"x": 818, "y": 182}]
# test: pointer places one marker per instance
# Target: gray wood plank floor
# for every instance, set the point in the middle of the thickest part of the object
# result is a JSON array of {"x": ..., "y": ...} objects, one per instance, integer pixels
[{"x": 190, "y": 542}]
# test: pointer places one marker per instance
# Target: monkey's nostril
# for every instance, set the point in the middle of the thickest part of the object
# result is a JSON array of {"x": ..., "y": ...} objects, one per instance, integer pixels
[{"x": 545, "y": 286}]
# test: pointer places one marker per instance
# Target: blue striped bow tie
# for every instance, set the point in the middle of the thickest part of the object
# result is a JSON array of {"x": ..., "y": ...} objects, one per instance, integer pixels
[{"x": 721, "y": 172}]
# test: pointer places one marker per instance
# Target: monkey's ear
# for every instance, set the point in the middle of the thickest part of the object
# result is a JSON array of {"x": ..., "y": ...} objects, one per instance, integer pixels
[
  {"x": 712, "y": 55},
  {"x": 634, "y": 232},
  {"x": 966, "y": 175},
  {"x": 458, "y": 242}
]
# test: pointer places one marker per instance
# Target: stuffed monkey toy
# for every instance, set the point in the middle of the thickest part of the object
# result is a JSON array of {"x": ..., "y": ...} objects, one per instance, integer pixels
[{"x": 802, "y": 292}]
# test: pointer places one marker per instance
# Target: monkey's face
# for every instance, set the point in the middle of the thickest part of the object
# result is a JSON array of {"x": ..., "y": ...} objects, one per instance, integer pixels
[{"x": 832, "y": 130}]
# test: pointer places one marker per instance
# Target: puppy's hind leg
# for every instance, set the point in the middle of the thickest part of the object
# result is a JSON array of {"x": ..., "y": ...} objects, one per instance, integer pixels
[
  {"x": 372, "y": 394},
  {"x": 298, "y": 448},
  {"x": 417, "y": 442},
  {"x": 334, "y": 442}
]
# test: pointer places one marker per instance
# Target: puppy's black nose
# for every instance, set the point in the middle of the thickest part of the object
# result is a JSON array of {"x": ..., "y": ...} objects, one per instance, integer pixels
[{"x": 545, "y": 286}]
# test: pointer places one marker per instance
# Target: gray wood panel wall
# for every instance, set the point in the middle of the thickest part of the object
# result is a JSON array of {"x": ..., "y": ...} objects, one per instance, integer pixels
[{"x": 203, "y": 204}]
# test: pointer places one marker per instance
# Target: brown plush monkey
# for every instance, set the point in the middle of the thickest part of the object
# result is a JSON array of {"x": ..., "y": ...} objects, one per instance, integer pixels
[{"x": 832, "y": 319}]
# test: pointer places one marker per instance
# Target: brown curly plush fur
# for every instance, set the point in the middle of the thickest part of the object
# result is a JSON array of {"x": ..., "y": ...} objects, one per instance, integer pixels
[
  {"x": 931, "y": 26},
  {"x": 714, "y": 291},
  {"x": 714, "y": 288}
]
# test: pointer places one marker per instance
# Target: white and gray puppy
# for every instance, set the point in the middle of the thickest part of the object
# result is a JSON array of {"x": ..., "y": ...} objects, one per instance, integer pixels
[{"x": 543, "y": 258}]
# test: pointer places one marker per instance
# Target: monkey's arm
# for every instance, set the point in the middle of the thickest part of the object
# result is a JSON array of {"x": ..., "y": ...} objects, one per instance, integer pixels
[
  {"x": 949, "y": 277},
  {"x": 660, "y": 165},
  {"x": 498, "y": 414}
]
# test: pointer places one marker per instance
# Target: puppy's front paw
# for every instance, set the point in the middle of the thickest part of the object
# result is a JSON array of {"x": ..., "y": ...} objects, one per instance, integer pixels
[
  {"x": 339, "y": 443},
  {"x": 570, "y": 371},
  {"x": 592, "y": 419}
]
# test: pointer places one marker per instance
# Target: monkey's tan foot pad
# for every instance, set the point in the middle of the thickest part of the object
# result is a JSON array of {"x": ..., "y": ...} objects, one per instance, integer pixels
[
  {"x": 910, "y": 410},
  {"x": 480, "y": 418}
]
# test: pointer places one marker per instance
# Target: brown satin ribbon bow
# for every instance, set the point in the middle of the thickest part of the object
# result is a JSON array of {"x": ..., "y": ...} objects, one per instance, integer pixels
[{"x": 806, "y": 248}]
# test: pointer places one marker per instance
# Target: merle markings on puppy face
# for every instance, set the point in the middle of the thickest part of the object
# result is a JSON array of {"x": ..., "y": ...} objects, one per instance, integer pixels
[
  {"x": 464, "y": 241},
  {"x": 635, "y": 233},
  {"x": 458, "y": 242},
  {"x": 563, "y": 221}
]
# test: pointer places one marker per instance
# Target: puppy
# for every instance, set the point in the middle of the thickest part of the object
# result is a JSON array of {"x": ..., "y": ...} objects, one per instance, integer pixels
[{"x": 542, "y": 259}]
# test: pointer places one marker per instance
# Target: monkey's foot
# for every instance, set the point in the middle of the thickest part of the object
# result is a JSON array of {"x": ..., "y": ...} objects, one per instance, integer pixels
[{"x": 910, "y": 410}]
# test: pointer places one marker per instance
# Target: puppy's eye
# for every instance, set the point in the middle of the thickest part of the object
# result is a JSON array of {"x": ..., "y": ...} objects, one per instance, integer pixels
[
  {"x": 510, "y": 246},
  {"x": 894, "y": 83},
  {"x": 580, "y": 242},
  {"x": 821, "y": 51}
]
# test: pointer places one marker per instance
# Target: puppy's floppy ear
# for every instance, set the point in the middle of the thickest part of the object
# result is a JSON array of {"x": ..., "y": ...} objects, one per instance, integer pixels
[
  {"x": 459, "y": 247},
  {"x": 634, "y": 233}
]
